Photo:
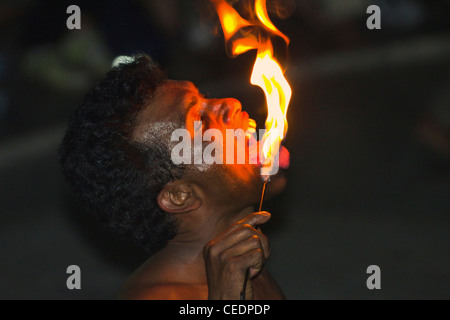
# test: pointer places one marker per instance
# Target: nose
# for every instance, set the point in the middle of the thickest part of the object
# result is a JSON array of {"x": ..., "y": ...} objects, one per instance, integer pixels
[{"x": 226, "y": 109}]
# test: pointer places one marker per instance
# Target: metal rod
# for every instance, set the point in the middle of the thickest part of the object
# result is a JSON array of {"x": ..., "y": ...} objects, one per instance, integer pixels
[
  {"x": 262, "y": 194},
  {"x": 247, "y": 273},
  {"x": 244, "y": 287}
]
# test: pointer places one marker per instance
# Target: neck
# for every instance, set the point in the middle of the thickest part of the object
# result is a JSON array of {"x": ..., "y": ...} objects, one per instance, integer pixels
[{"x": 184, "y": 253}]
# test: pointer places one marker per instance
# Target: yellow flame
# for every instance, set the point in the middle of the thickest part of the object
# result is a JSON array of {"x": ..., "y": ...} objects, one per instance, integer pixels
[
  {"x": 267, "y": 72},
  {"x": 263, "y": 16},
  {"x": 230, "y": 20}
]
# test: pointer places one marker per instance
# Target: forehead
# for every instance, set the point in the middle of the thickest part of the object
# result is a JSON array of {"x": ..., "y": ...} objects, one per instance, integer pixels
[
  {"x": 182, "y": 86},
  {"x": 168, "y": 105}
]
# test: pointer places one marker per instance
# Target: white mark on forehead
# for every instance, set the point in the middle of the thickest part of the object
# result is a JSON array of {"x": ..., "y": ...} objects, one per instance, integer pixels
[
  {"x": 203, "y": 167},
  {"x": 161, "y": 130}
]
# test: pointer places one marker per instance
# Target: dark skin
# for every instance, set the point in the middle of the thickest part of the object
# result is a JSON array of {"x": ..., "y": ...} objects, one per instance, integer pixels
[{"x": 219, "y": 238}]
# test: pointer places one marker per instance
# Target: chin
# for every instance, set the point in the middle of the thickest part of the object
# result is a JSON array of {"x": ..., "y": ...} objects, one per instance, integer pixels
[{"x": 276, "y": 185}]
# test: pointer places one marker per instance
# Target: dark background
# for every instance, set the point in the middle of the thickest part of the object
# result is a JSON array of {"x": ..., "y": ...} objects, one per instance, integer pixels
[{"x": 368, "y": 135}]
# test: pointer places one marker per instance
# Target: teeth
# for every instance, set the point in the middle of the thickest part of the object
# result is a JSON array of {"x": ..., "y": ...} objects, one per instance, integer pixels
[{"x": 251, "y": 126}]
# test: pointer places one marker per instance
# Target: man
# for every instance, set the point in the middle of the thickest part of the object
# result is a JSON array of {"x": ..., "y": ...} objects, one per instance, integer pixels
[{"x": 197, "y": 221}]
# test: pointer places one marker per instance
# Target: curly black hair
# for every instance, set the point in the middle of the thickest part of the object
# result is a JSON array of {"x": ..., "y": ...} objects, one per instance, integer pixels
[{"x": 115, "y": 177}]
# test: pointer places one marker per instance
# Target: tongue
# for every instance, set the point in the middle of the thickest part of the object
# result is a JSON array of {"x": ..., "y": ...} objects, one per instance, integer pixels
[{"x": 284, "y": 158}]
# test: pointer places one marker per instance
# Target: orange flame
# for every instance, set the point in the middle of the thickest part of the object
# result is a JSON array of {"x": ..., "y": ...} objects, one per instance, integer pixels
[{"x": 267, "y": 72}]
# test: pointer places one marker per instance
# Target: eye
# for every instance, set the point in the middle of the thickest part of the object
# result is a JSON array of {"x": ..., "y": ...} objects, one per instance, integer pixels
[
  {"x": 205, "y": 121},
  {"x": 192, "y": 103}
]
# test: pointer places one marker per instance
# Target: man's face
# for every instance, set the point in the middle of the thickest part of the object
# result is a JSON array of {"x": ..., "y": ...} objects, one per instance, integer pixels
[{"x": 178, "y": 104}]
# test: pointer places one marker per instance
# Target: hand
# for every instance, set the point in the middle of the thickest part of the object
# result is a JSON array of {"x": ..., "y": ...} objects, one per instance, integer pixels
[{"x": 228, "y": 257}]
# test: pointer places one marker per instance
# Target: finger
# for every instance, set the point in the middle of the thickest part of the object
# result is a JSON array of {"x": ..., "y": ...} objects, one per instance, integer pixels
[
  {"x": 243, "y": 233},
  {"x": 253, "y": 219},
  {"x": 253, "y": 261},
  {"x": 241, "y": 248},
  {"x": 247, "y": 232}
]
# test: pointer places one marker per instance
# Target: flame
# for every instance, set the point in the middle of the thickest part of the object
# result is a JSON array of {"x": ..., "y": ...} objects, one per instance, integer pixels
[
  {"x": 267, "y": 72},
  {"x": 263, "y": 16}
]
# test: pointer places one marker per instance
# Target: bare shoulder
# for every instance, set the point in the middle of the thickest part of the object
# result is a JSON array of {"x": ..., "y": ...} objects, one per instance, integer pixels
[{"x": 171, "y": 291}]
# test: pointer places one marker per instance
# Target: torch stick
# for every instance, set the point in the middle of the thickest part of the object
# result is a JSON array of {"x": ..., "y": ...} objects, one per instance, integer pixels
[
  {"x": 247, "y": 274},
  {"x": 266, "y": 179}
]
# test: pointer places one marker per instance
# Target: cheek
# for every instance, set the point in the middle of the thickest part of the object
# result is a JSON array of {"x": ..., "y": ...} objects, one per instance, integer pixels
[
  {"x": 160, "y": 130},
  {"x": 244, "y": 174},
  {"x": 228, "y": 176},
  {"x": 221, "y": 183},
  {"x": 204, "y": 168}
]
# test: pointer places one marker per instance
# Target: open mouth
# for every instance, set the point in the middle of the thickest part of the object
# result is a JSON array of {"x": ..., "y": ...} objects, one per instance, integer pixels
[{"x": 251, "y": 134}]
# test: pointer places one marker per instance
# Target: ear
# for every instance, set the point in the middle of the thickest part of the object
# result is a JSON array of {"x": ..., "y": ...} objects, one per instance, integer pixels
[{"x": 178, "y": 197}]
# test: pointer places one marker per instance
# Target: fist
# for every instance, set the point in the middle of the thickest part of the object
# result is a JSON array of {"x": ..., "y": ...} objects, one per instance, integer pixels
[{"x": 228, "y": 257}]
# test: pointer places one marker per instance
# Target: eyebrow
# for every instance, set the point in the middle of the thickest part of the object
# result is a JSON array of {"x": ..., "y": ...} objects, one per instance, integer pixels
[
  {"x": 194, "y": 98},
  {"x": 190, "y": 102}
]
